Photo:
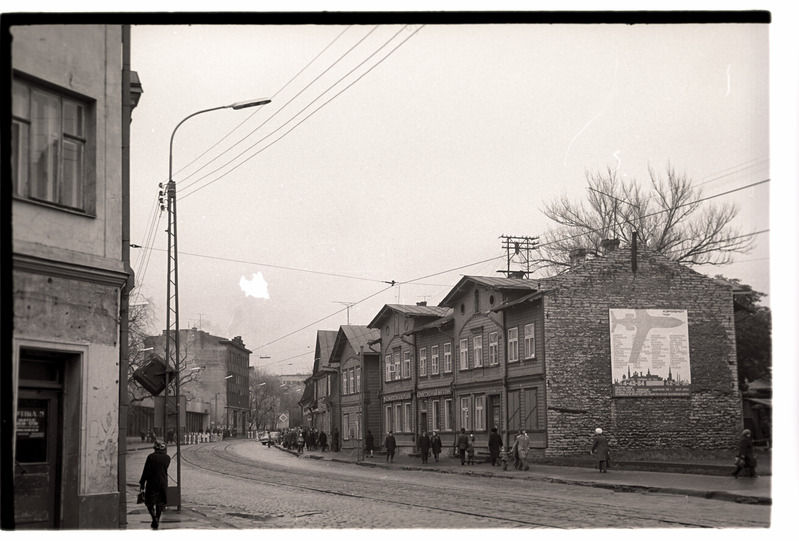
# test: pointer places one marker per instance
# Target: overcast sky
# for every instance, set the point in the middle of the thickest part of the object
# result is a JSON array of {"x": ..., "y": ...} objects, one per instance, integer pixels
[{"x": 391, "y": 153}]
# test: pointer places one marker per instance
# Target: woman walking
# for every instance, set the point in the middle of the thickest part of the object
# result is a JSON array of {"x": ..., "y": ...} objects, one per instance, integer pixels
[
  {"x": 746, "y": 455},
  {"x": 153, "y": 482},
  {"x": 369, "y": 445}
]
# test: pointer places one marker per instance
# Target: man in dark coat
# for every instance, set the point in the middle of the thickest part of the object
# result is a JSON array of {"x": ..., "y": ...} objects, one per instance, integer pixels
[
  {"x": 746, "y": 455},
  {"x": 391, "y": 446},
  {"x": 323, "y": 440},
  {"x": 601, "y": 448},
  {"x": 424, "y": 446},
  {"x": 462, "y": 444},
  {"x": 435, "y": 445},
  {"x": 153, "y": 482},
  {"x": 369, "y": 445},
  {"x": 494, "y": 444}
]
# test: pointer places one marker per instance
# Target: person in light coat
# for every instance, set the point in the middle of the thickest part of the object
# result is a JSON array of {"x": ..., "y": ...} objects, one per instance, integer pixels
[{"x": 600, "y": 447}]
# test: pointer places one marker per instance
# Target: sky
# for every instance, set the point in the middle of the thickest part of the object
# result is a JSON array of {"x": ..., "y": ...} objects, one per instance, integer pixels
[{"x": 403, "y": 153}]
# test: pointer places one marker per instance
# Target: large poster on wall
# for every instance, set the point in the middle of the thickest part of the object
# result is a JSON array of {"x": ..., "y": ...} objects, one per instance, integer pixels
[{"x": 649, "y": 352}]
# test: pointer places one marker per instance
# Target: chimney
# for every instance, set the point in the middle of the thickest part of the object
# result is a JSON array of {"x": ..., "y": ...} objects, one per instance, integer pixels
[
  {"x": 577, "y": 256},
  {"x": 421, "y": 303},
  {"x": 608, "y": 245}
]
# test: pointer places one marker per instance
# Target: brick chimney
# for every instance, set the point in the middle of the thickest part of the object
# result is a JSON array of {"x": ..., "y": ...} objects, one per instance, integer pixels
[
  {"x": 577, "y": 256},
  {"x": 421, "y": 303},
  {"x": 608, "y": 245}
]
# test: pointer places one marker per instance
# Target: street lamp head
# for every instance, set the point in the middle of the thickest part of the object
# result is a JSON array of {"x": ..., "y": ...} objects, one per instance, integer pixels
[{"x": 250, "y": 103}]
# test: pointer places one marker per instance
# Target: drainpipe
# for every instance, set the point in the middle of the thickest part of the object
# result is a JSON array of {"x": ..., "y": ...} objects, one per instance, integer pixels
[
  {"x": 126, "y": 288},
  {"x": 504, "y": 405}
]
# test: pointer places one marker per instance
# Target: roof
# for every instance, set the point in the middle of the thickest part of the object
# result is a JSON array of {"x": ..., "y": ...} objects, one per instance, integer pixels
[
  {"x": 358, "y": 336},
  {"x": 324, "y": 347},
  {"x": 307, "y": 394},
  {"x": 437, "y": 323},
  {"x": 408, "y": 310},
  {"x": 490, "y": 282},
  {"x": 529, "y": 297}
]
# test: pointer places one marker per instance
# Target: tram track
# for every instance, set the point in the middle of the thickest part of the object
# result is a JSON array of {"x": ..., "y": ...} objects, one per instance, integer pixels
[{"x": 493, "y": 504}]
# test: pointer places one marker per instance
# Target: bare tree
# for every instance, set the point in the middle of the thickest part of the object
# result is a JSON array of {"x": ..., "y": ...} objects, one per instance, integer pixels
[
  {"x": 265, "y": 400},
  {"x": 670, "y": 217}
]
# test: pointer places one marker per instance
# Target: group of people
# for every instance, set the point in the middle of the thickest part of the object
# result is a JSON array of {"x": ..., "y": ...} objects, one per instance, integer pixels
[{"x": 309, "y": 439}]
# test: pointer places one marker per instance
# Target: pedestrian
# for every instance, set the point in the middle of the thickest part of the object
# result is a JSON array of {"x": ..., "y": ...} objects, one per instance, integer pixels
[
  {"x": 153, "y": 482},
  {"x": 503, "y": 458},
  {"x": 746, "y": 455},
  {"x": 391, "y": 446},
  {"x": 369, "y": 445},
  {"x": 424, "y": 446},
  {"x": 494, "y": 444},
  {"x": 170, "y": 436},
  {"x": 323, "y": 440},
  {"x": 461, "y": 445},
  {"x": 300, "y": 442},
  {"x": 601, "y": 448},
  {"x": 470, "y": 450},
  {"x": 435, "y": 445},
  {"x": 521, "y": 447}
]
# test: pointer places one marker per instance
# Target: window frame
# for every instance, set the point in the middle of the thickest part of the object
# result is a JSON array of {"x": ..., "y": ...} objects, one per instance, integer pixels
[
  {"x": 479, "y": 412},
  {"x": 406, "y": 417},
  {"x": 477, "y": 346},
  {"x": 466, "y": 412},
  {"x": 346, "y": 427},
  {"x": 529, "y": 341},
  {"x": 398, "y": 417},
  {"x": 447, "y": 415},
  {"x": 435, "y": 406},
  {"x": 59, "y": 188},
  {"x": 463, "y": 354},
  {"x": 389, "y": 367},
  {"x": 406, "y": 364},
  {"x": 397, "y": 366},
  {"x": 513, "y": 344},
  {"x": 423, "y": 362},
  {"x": 448, "y": 358},
  {"x": 434, "y": 367},
  {"x": 493, "y": 348}
]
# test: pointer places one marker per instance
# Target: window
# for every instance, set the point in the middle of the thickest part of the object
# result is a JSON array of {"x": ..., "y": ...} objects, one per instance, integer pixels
[
  {"x": 396, "y": 366},
  {"x": 465, "y": 411},
  {"x": 447, "y": 358},
  {"x": 407, "y": 417},
  {"x": 436, "y": 414},
  {"x": 397, "y": 417},
  {"x": 423, "y": 361},
  {"x": 479, "y": 412},
  {"x": 389, "y": 368},
  {"x": 513, "y": 344},
  {"x": 345, "y": 384},
  {"x": 388, "y": 418},
  {"x": 406, "y": 364},
  {"x": 346, "y": 427},
  {"x": 448, "y": 414},
  {"x": 464, "y": 354},
  {"x": 48, "y": 147},
  {"x": 357, "y": 388},
  {"x": 434, "y": 360},
  {"x": 529, "y": 341},
  {"x": 478, "y": 350},
  {"x": 493, "y": 348}
]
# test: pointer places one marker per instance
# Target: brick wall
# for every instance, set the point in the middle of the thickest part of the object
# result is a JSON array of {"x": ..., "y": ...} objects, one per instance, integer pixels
[{"x": 578, "y": 369}]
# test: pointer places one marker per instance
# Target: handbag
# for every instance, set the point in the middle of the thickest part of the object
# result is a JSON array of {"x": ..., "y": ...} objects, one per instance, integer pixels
[{"x": 140, "y": 497}]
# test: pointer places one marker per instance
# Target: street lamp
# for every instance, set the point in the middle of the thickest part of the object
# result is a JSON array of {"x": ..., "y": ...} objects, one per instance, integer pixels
[{"x": 172, "y": 278}]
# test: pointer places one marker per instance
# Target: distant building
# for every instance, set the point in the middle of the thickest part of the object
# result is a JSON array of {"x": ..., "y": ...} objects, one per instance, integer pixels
[
  {"x": 71, "y": 110},
  {"x": 215, "y": 379},
  {"x": 319, "y": 401}
]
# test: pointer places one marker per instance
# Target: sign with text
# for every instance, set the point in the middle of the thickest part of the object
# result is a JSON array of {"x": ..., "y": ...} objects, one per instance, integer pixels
[{"x": 649, "y": 352}]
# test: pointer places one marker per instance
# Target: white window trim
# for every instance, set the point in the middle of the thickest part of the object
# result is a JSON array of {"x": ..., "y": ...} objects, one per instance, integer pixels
[
  {"x": 493, "y": 348},
  {"x": 406, "y": 364},
  {"x": 423, "y": 361},
  {"x": 406, "y": 421},
  {"x": 434, "y": 368},
  {"x": 466, "y": 406},
  {"x": 397, "y": 367},
  {"x": 448, "y": 414},
  {"x": 479, "y": 412},
  {"x": 398, "y": 417},
  {"x": 463, "y": 354},
  {"x": 389, "y": 368},
  {"x": 513, "y": 344},
  {"x": 477, "y": 343},
  {"x": 388, "y": 418},
  {"x": 529, "y": 341},
  {"x": 346, "y": 426},
  {"x": 436, "y": 407},
  {"x": 448, "y": 357}
]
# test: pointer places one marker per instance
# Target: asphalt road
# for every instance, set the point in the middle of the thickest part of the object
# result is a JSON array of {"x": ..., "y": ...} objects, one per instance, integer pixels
[{"x": 243, "y": 485}]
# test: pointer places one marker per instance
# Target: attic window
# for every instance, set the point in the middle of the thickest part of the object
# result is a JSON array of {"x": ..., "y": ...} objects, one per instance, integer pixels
[{"x": 491, "y": 300}]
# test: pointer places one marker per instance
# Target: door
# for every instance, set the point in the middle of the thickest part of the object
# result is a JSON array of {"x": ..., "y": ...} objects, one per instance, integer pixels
[
  {"x": 496, "y": 402},
  {"x": 36, "y": 465}
]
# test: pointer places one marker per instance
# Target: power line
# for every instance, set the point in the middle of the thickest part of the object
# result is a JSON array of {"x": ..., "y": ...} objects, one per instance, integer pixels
[{"x": 311, "y": 114}]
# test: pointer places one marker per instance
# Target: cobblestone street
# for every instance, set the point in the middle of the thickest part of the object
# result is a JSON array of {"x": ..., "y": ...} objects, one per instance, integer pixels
[{"x": 245, "y": 485}]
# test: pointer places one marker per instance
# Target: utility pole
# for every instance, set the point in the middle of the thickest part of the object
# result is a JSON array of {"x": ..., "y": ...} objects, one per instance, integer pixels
[
  {"x": 521, "y": 246},
  {"x": 347, "y": 304}
]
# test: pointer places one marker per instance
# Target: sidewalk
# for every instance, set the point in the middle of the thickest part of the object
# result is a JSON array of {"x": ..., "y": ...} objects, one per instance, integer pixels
[{"x": 715, "y": 486}]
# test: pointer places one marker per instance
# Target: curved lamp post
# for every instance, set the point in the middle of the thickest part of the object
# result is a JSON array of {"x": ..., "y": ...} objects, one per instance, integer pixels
[{"x": 172, "y": 280}]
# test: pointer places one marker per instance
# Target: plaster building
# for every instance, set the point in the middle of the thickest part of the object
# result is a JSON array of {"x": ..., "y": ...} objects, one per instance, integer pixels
[
  {"x": 356, "y": 352},
  {"x": 215, "y": 380},
  {"x": 68, "y": 189},
  {"x": 398, "y": 368}
]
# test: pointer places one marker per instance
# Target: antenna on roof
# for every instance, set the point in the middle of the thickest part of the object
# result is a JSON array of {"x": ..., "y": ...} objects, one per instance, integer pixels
[
  {"x": 521, "y": 246},
  {"x": 347, "y": 304}
]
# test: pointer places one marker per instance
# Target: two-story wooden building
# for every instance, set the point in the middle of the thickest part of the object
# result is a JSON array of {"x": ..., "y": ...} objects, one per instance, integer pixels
[
  {"x": 320, "y": 399},
  {"x": 396, "y": 323},
  {"x": 356, "y": 352}
]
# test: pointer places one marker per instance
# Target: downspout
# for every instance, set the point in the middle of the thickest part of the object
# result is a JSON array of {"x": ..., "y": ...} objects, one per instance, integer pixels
[{"x": 124, "y": 304}]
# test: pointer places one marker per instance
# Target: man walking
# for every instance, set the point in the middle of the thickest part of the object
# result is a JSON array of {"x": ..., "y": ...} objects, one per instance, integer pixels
[
  {"x": 153, "y": 482},
  {"x": 391, "y": 445},
  {"x": 424, "y": 446},
  {"x": 494, "y": 444},
  {"x": 462, "y": 444}
]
